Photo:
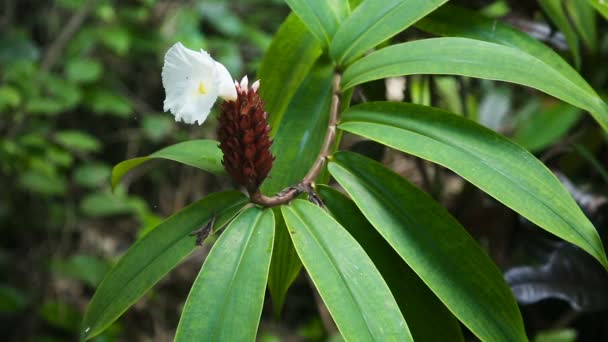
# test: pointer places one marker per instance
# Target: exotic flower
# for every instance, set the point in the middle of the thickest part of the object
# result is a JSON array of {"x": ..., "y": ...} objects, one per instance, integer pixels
[
  {"x": 244, "y": 138},
  {"x": 193, "y": 81}
]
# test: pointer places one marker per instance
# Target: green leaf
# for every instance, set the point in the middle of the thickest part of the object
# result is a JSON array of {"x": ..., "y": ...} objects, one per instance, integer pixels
[
  {"x": 474, "y": 58},
  {"x": 285, "y": 265},
  {"x": 583, "y": 18},
  {"x": 151, "y": 257},
  {"x": 357, "y": 297},
  {"x": 555, "y": 10},
  {"x": 78, "y": 141},
  {"x": 92, "y": 175},
  {"x": 375, "y": 21},
  {"x": 434, "y": 245},
  {"x": 493, "y": 163},
  {"x": 225, "y": 302},
  {"x": 203, "y": 154},
  {"x": 321, "y": 17},
  {"x": 12, "y": 299},
  {"x": 541, "y": 130},
  {"x": 286, "y": 63},
  {"x": 83, "y": 70},
  {"x": 601, "y": 6},
  {"x": 427, "y": 318},
  {"x": 450, "y": 20},
  {"x": 300, "y": 135},
  {"x": 86, "y": 268}
]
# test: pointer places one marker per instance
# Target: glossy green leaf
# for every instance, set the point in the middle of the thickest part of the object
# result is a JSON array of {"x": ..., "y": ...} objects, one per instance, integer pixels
[
  {"x": 321, "y": 17},
  {"x": 474, "y": 58},
  {"x": 151, "y": 257},
  {"x": 427, "y": 318},
  {"x": 225, "y": 302},
  {"x": 540, "y": 131},
  {"x": 493, "y": 163},
  {"x": 285, "y": 265},
  {"x": 556, "y": 12},
  {"x": 583, "y": 18},
  {"x": 203, "y": 154},
  {"x": 300, "y": 135},
  {"x": 451, "y": 20},
  {"x": 286, "y": 63},
  {"x": 434, "y": 245},
  {"x": 351, "y": 287},
  {"x": 375, "y": 21}
]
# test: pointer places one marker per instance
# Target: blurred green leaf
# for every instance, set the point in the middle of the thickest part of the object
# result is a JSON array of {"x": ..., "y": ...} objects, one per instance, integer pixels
[
  {"x": 42, "y": 182},
  {"x": 373, "y": 22},
  {"x": 104, "y": 101},
  {"x": 92, "y": 175},
  {"x": 556, "y": 12},
  {"x": 203, "y": 154},
  {"x": 12, "y": 300},
  {"x": 157, "y": 127},
  {"x": 601, "y": 6},
  {"x": 9, "y": 98},
  {"x": 225, "y": 301},
  {"x": 474, "y": 58},
  {"x": 16, "y": 47},
  {"x": 100, "y": 204},
  {"x": 78, "y": 141},
  {"x": 546, "y": 127},
  {"x": 488, "y": 160},
  {"x": 344, "y": 276},
  {"x": 60, "y": 314},
  {"x": 561, "y": 335},
  {"x": 434, "y": 245},
  {"x": 116, "y": 38},
  {"x": 83, "y": 70},
  {"x": 151, "y": 257},
  {"x": 582, "y": 16},
  {"x": 86, "y": 268}
]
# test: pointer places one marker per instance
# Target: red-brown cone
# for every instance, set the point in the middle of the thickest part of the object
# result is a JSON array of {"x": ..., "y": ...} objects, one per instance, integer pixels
[{"x": 243, "y": 134}]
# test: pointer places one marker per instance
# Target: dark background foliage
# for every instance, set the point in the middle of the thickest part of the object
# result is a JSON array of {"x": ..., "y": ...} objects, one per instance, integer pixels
[{"x": 80, "y": 91}]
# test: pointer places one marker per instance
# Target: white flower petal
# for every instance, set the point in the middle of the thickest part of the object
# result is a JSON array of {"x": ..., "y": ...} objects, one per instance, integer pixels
[
  {"x": 192, "y": 82},
  {"x": 245, "y": 83},
  {"x": 255, "y": 86},
  {"x": 227, "y": 90}
]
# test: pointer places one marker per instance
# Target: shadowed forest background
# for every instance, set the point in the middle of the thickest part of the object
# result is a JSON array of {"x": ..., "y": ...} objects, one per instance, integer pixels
[{"x": 80, "y": 91}]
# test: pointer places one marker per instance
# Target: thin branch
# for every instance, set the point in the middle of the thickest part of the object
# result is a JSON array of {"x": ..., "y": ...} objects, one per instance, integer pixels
[{"x": 305, "y": 185}]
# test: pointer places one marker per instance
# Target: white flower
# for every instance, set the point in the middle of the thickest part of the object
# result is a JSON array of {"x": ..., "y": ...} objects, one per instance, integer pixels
[{"x": 193, "y": 81}]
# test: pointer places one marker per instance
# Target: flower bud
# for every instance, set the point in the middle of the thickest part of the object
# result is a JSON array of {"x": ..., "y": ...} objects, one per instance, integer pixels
[{"x": 244, "y": 137}]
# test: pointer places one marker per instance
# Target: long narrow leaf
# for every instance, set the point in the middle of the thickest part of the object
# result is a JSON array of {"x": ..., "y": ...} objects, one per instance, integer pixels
[
  {"x": 493, "y": 163},
  {"x": 556, "y": 12},
  {"x": 202, "y": 154},
  {"x": 426, "y": 316},
  {"x": 455, "y": 21},
  {"x": 151, "y": 257},
  {"x": 357, "y": 297},
  {"x": 375, "y": 21},
  {"x": 434, "y": 245},
  {"x": 474, "y": 58},
  {"x": 285, "y": 65},
  {"x": 322, "y": 17},
  {"x": 225, "y": 302}
]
